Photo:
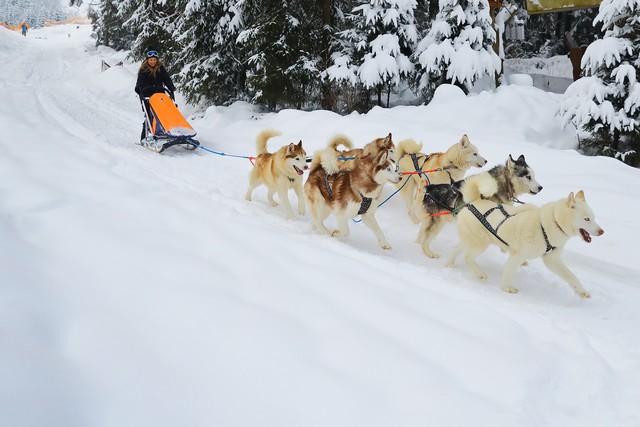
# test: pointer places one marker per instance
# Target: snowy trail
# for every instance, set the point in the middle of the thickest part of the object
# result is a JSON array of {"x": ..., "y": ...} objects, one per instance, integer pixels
[{"x": 167, "y": 286}]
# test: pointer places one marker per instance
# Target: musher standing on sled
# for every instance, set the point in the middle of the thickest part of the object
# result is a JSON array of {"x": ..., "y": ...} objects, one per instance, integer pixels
[{"x": 152, "y": 78}]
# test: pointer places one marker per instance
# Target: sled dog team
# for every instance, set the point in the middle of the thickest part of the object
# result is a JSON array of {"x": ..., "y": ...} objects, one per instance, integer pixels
[{"x": 347, "y": 182}]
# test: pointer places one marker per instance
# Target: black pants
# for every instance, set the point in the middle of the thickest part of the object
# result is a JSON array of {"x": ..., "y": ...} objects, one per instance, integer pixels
[{"x": 143, "y": 134}]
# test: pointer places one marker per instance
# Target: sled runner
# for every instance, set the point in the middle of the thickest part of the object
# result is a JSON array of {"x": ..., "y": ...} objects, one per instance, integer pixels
[{"x": 164, "y": 125}]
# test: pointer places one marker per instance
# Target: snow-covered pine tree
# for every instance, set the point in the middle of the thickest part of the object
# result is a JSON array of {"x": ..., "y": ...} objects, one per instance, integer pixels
[
  {"x": 606, "y": 103},
  {"x": 210, "y": 63},
  {"x": 341, "y": 71},
  {"x": 107, "y": 24},
  {"x": 279, "y": 42},
  {"x": 377, "y": 46},
  {"x": 332, "y": 19},
  {"x": 458, "y": 48},
  {"x": 153, "y": 22}
]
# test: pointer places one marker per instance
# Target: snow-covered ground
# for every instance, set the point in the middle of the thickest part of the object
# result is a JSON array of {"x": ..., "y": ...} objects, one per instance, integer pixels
[
  {"x": 553, "y": 74},
  {"x": 139, "y": 289}
]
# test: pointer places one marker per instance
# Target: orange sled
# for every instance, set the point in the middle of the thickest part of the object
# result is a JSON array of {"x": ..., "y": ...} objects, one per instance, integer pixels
[{"x": 165, "y": 126}]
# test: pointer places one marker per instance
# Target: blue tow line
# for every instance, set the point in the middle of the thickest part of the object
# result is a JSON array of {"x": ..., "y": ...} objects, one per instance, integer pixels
[
  {"x": 395, "y": 192},
  {"x": 219, "y": 153}
]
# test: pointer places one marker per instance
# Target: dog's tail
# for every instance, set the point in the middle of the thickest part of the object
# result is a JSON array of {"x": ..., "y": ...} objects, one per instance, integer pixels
[
  {"x": 263, "y": 137},
  {"x": 407, "y": 146},
  {"x": 480, "y": 186},
  {"x": 339, "y": 140},
  {"x": 328, "y": 159}
]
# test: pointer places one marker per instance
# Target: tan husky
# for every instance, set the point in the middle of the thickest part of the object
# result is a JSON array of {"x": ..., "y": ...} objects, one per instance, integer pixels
[
  {"x": 348, "y": 192},
  {"x": 279, "y": 172},
  {"x": 525, "y": 232},
  {"x": 458, "y": 158}
]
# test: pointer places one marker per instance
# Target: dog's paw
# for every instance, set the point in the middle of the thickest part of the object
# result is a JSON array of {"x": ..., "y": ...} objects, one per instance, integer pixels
[
  {"x": 450, "y": 264},
  {"x": 274, "y": 204},
  {"x": 430, "y": 253},
  {"x": 336, "y": 233},
  {"x": 302, "y": 212},
  {"x": 510, "y": 289},
  {"x": 386, "y": 247},
  {"x": 482, "y": 276},
  {"x": 524, "y": 264},
  {"x": 584, "y": 294}
]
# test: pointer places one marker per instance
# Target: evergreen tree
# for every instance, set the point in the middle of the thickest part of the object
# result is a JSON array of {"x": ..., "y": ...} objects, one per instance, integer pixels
[
  {"x": 606, "y": 103},
  {"x": 210, "y": 62},
  {"x": 108, "y": 28},
  {"x": 341, "y": 71},
  {"x": 153, "y": 22},
  {"x": 458, "y": 48},
  {"x": 377, "y": 46},
  {"x": 278, "y": 43}
]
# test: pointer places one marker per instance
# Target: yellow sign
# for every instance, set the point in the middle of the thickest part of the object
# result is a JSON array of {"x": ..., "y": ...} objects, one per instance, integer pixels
[{"x": 546, "y": 6}]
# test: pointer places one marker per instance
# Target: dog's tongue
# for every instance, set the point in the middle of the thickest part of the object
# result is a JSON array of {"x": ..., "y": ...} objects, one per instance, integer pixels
[
  {"x": 300, "y": 171},
  {"x": 585, "y": 236}
]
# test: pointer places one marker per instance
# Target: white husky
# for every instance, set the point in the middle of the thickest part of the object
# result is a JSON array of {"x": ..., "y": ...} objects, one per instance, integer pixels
[{"x": 525, "y": 232}]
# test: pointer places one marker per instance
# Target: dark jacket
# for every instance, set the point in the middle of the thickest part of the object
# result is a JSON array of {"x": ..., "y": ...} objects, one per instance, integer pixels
[{"x": 148, "y": 84}]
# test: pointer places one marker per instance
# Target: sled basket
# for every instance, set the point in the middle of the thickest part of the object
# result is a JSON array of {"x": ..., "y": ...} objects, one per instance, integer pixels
[{"x": 166, "y": 120}]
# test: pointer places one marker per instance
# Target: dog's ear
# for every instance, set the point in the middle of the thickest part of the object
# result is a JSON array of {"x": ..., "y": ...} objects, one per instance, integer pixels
[
  {"x": 580, "y": 195},
  {"x": 464, "y": 141},
  {"x": 300, "y": 144},
  {"x": 383, "y": 156},
  {"x": 571, "y": 201},
  {"x": 521, "y": 160},
  {"x": 510, "y": 162}
]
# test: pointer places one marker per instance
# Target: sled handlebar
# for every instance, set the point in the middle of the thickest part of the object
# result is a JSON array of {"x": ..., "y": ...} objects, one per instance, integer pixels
[{"x": 146, "y": 92}]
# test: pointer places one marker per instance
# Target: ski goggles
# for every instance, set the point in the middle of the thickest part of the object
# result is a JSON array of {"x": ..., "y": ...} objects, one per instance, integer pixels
[{"x": 152, "y": 54}]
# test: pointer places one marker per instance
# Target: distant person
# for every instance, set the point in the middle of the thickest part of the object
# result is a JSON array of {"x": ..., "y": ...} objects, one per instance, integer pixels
[
  {"x": 153, "y": 78},
  {"x": 25, "y": 27}
]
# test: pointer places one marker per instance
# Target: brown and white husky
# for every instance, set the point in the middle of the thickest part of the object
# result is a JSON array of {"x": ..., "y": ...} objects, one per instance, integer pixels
[{"x": 348, "y": 192}]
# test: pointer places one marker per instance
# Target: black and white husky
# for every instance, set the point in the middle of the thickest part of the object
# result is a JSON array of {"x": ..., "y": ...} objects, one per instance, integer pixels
[{"x": 501, "y": 184}]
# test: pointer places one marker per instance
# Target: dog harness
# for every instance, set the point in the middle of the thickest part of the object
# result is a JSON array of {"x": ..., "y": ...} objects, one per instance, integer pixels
[
  {"x": 327, "y": 184},
  {"x": 483, "y": 220},
  {"x": 452, "y": 210},
  {"x": 365, "y": 205},
  {"x": 546, "y": 240},
  {"x": 414, "y": 159},
  {"x": 439, "y": 203}
]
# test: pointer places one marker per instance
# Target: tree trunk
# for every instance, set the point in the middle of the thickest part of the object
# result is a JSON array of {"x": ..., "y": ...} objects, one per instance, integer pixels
[{"x": 329, "y": 98}]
